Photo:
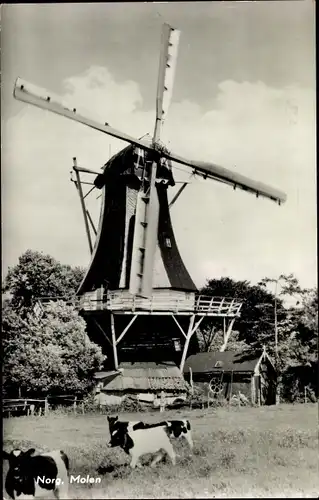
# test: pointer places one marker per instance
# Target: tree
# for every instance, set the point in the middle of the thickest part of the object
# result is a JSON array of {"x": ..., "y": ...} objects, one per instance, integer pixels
[
  {"x": 37, "y": 275},
  {"x": 297, "y": 336},
  {"x": 47, "y": 356},
  {"x": 306, "y": 336},
  {"x": 254, "y": 325}
]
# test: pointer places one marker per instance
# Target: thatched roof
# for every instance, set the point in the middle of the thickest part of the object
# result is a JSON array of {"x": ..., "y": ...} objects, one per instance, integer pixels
[
  {"x": 227, "y": 361},
  {"x": 145, "y": 377}
]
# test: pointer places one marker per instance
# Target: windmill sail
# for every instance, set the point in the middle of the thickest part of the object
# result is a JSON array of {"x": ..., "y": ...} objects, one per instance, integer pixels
[
  {"x": 166, "y": 74},
  {"x": 147, "y": 214},
  {"x": 222, "y": 174}
]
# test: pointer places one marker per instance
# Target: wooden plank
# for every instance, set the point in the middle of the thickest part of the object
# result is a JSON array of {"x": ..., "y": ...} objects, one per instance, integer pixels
[
  {"x": 138, "y": 249},
  {"x": 152, "y": 214},
  {"x": 44, "y": 99},
  {"x": 116, "y": 363},
  {"x": 168, "y": 58}
]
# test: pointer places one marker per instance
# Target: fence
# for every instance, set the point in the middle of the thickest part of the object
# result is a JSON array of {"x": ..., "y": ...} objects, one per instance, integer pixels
[{"x": 27, "y": 406}]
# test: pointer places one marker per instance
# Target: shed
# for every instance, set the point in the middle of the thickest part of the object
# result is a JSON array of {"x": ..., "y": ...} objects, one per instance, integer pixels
[
  {"x": 147, "y": 381},
  {"x": 230, "y": 373}
]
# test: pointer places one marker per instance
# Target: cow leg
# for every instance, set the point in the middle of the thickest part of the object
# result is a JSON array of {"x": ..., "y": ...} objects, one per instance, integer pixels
[
  {"x": 61, "y": 490},
  {"x": 61, "y": 493},
  {"x": 170, "y": 452},
  {"x": 135, "y": 461},
  {"x": 189, "y": 439}
]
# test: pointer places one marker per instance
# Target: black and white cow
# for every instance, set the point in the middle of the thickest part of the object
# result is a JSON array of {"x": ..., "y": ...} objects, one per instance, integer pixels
[
  {"x": 175, "y": 428},
  {"x": 139, "y": 442},
  {"x": 33, "y": 476}
]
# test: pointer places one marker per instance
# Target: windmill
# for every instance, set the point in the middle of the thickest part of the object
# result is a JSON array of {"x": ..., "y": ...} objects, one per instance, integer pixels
[{"x": 135, "y": 228}]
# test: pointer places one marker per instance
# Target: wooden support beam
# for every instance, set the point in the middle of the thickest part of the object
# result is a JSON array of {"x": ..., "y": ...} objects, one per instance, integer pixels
[
  {"x": 179, "y": 326},
  {"x": 191, "y": 330},
  {"x": 80, "y": 191},
  {"x": 228, "y": 332},
  {"x": 177, "y": 195},
  {"x": 221, "y": 304},
  {"x": 126, "y": 329},
  {"x": 116, "y": 363},
  {"x": 188, "y": 337},
  {"x": 91, "y": 222},
  {"x": 90, "y": 190},
  {"x": 101, "y": 330}
]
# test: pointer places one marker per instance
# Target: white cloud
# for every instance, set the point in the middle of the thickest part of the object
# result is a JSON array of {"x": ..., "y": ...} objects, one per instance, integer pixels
[{"x": 262, "y": 132}]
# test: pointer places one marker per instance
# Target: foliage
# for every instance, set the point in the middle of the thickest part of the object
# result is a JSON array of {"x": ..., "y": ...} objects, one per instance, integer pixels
[
  {"x": 254, "y": 327},
  {"x": 211, "y": 339},
  {"x": 273, "y": 303},
  {"x": 52, "y": 355},
  {"x": 37, "y": 275}
]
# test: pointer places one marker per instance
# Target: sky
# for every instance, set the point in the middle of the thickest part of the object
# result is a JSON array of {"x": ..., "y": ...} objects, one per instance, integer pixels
[{"x": 244, "y": 98}]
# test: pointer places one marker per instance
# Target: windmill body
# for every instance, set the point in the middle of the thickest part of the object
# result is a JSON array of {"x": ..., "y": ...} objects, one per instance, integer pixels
[{"x": 137, "y": 296}]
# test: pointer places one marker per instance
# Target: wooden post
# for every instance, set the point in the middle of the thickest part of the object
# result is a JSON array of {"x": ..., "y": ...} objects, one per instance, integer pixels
[
  {"x": 188, "y": 338},
  {"x": 162, "y": 401},
  {"x": 191, "y": 379},
  {"x": 231, "y": 388},
  {"x": 305, "y": 394},
  {"x": 258, "y": 391},
  {"x": 82, "y": 408},
  {"x": 252, "y": 390},
  {"x": 238, "y": 399},
  {"x": 116, "y": 363},
  {"x": 74, "y": 404},
  {"x": 80, "y": 191},
  {"x": 227, "y": 335},
  {"x": 46, "y": 409}
]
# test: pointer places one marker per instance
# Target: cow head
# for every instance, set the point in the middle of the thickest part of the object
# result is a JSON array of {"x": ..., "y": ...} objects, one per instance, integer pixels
[
  {"x": 121, "y": 438},
  {"x": 112, "y": 420},
  {"x": 19, "y": 466}
]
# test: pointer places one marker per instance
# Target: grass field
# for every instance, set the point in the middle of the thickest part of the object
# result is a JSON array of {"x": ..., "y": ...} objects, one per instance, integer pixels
[{"x": 242, "y": 452}]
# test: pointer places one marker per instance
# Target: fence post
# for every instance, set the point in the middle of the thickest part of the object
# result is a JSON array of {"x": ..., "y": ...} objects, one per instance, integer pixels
[
  {"x": 74, "y": 404},
  {"x": 82, "y": 407},
  {"x": 305, "y": 394},
  {"x": 162, "y": 401},
  {"x": 46, "y": 406}
]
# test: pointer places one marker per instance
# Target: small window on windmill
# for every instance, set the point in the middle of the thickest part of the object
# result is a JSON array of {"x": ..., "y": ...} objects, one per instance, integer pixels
[
  {"x": 168, "y": 243},
  {"x": 218, "y": 364},
  {"x": 177, "y": 345}
]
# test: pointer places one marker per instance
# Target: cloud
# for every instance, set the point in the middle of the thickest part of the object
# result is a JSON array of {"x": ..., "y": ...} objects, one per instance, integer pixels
[{"x": 262, "y": 132}]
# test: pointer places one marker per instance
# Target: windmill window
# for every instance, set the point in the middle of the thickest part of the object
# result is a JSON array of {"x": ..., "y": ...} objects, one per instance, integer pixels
[
  {"x": 168, "y": 243},
  {"x": 177, "y": 345},
  {"x": 218, "y": 364}
]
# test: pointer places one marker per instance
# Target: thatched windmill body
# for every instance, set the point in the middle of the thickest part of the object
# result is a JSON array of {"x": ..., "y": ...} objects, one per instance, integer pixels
[{"x": 129, "y": 311}]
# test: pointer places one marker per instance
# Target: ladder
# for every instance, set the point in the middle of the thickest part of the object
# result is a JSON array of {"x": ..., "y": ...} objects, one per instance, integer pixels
[{"x": 144, "y": 239}]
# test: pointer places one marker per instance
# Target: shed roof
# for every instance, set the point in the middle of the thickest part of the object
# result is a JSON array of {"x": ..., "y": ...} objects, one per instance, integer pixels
[
  {"x": 145, "y": 377},
  {"x": 227, "y": 361}
]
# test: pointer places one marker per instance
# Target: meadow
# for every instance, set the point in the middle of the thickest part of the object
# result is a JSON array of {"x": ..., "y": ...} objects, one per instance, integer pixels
[{"x": 238, "y": 452}]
